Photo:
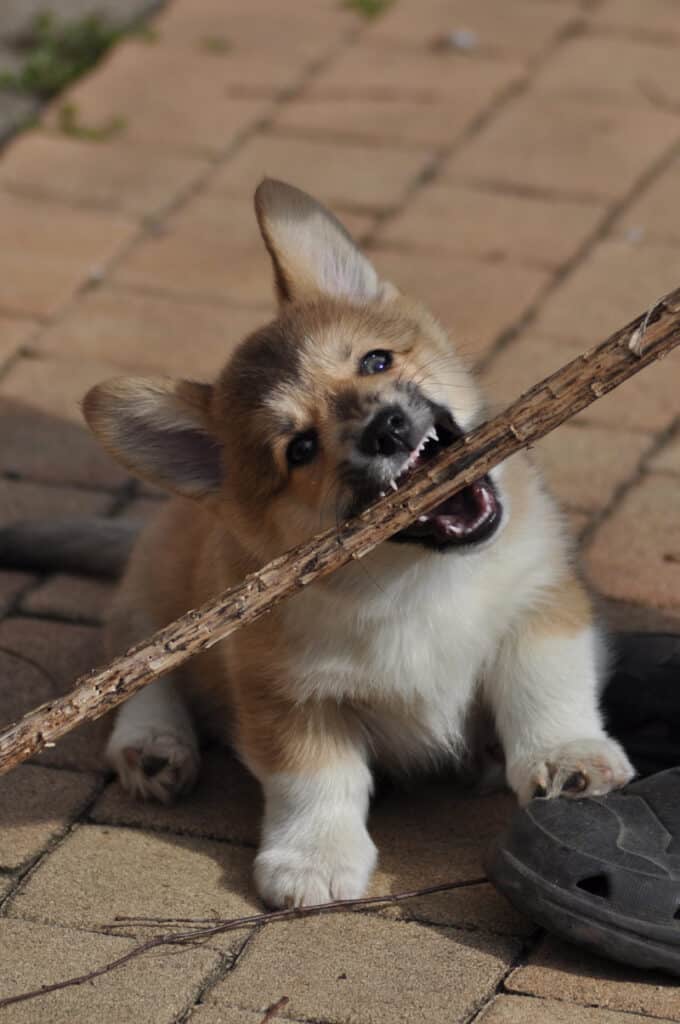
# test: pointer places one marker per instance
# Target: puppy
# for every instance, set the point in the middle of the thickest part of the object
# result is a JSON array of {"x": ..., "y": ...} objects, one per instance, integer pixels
[{"x": 340, "y": 398}]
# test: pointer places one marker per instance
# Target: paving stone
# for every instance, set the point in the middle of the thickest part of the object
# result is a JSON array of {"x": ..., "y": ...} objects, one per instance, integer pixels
[
  {"x": 400, "y": 122},
  {"x": 354, "y": 967},
  {"x": 110, "y": 175},
  {"x": 618, "y": 281},
  {"x": 152, "y": 334},
  {"x": 434, "y": 834},
  {"x": 493, "y": 225},
  {"x": 379, "y": 176},
  {"x": 40, "y": 660},
  {"x": 77, "y": 598},
  {"x": 226, "y": 804},
  {"x": 654, "y": 215},
  {"x": 54, "y": 386},
  {"x": 15, "y": 111},
  {"x": 38, "y": 804},
  {"x": 255, "y": 30},
  {"x": 635, "y": 554},
  {"x": 636, "y": 73},
  {"x": 203, "y": 266},
  {"x": 40, "y": 395},
  {"x": 42, "y": 447},
  {"x": 667, "y": 460},
  {"x": 476, "y": 300},
  {"x": 524, "y": 30},
  {"x": 13, "y": 333},
  {"x": 227, "y": 1015},
  {"x": 646, "y": 402},
  {"x": 374, "y": 71},
  {"x": 471, "y": 906},
  {"x": 569, "y": 974},
  {"x": 523, "y": 1010},
  {"x": 659, "y": 18},
  {"x": 566, "y": 146},
  {"x": 7, "y": 883},
  {"x": 155, "y": 989},
  {"x": 584, "y": 466},
  {"x": 212, "y": 248},
  {"x": 189, "y": 111},
  {"x": 61, "y": 248},
  {"x": 11, "y": 586},
  {"x": 23, "y": 499},
  {"x": 124, "y": 871}
]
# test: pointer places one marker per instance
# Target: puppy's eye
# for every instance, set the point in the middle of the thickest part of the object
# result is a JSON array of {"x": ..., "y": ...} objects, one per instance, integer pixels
[
  {"x": 375, "y": 362},
  {"x": 303, "y": 448}
]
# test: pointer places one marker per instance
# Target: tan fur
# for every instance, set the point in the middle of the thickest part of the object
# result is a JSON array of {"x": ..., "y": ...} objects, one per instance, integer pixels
[{"x": 273, "y": 689}]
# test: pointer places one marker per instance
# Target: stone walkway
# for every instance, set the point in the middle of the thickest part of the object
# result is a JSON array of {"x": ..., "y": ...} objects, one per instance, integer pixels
[{"x": 515, "y": 165}]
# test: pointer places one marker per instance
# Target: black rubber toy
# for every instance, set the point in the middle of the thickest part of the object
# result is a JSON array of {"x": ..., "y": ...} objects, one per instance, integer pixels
[{"x": 604, "y": 872}]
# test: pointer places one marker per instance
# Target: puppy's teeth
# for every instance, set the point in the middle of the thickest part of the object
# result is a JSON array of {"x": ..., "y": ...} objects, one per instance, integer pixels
[
  {"x": 393, "y": 485},
  {"x": 383, "y": 494}
]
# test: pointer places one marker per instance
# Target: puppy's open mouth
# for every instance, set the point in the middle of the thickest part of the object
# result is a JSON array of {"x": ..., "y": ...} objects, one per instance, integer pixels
[{"x": 470, "y": 516}]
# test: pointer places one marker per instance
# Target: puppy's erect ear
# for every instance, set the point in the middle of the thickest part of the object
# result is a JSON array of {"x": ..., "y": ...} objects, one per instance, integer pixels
[
  {"x": 311, "y": 252},
  {"x": 160, "y": 430}
]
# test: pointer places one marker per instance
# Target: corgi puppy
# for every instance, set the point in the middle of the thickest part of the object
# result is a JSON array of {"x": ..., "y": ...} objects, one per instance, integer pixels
[{"x": 341, "y": 397}]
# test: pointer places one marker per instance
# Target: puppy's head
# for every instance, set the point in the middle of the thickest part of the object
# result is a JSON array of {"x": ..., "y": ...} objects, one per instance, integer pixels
[{"x": 337, "y": 400}]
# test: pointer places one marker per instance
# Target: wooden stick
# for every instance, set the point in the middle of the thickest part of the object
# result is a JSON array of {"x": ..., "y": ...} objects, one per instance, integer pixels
[{"x": 555, "y": 399}]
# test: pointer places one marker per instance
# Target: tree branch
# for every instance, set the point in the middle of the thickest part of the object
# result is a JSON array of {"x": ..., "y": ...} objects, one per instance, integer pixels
[{"x": 555, "y": 399}]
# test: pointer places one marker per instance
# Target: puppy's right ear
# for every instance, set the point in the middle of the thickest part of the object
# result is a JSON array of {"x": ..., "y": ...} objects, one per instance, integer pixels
[
  {"x": 311, "y": 252},
  {"x": 160, "y": 430}
]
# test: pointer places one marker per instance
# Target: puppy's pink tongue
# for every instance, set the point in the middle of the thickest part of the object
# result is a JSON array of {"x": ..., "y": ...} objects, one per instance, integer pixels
[{"x": 463, "y": 514}]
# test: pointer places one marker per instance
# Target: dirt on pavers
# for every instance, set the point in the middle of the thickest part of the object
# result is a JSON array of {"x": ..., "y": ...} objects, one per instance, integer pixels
[{"x": 514, "y": 166}]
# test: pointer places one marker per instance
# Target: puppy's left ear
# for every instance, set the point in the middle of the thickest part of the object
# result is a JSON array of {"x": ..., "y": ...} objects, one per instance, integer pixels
[
  {"x": 160, "y": 430},
  {"x": 311, "y": 252}
]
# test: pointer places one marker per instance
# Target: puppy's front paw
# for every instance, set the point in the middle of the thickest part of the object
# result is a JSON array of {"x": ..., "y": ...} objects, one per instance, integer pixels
[
  {"x": 303, "y": 875},
  {"x": 154, "y": 764},
  {"x": 576, "y": 769}
]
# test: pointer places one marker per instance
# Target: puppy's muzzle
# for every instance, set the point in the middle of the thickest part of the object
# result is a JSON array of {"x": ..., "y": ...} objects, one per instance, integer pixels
[{"x": 394, "y": 444}]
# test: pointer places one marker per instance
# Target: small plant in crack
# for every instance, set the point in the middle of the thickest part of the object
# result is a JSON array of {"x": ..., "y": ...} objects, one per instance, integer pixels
[
  {"x": 215, "y": 44},
  {"x": 368, "y": 8},
  {"x": 55, "y": 52},
  {"x": 69, "y": 123}
]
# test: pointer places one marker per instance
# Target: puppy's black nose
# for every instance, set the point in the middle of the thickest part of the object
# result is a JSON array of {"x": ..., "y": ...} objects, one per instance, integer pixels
[{"x": 389, "y": 431}]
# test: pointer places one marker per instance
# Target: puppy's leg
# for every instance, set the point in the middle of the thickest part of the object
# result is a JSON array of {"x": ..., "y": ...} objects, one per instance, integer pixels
[
  {"x": 153, "y": 745},
  {"x": 544, "y": 691},
  {"x": 315, "y": 846}
]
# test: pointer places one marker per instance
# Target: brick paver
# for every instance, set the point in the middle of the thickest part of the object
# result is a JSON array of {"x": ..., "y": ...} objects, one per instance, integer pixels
[
  {"x": 149, "y": 333},
  {"x": 158, "y": 989},
  {"x": 517, "y": 167},
  {"x": 41, "y": 803},
  {"x": 59, "y": 249},
  {"x": 528, "y": 1010},
  {"x": 132, "y": 872},
  {"x": 109, "y": 175},
  {"x": 13, "y": 333},
  {"x": 564, "y": 972},
  {"x": 493, "y": 225},
  {"x": 344, "y": 969}
]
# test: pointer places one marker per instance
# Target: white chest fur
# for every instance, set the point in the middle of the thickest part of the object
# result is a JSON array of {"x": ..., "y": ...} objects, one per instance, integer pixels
[{"x": 407, "y": 635}]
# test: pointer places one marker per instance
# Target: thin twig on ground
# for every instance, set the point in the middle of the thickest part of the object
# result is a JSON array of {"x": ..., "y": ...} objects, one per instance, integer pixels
[{"x": 220, "y": 926}]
